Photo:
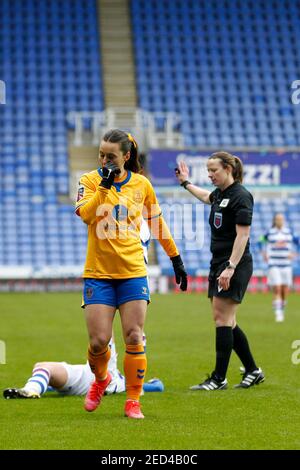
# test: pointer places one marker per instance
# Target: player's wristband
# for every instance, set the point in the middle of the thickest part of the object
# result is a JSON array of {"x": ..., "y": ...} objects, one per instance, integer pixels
[{"x": 185, "y": 183}]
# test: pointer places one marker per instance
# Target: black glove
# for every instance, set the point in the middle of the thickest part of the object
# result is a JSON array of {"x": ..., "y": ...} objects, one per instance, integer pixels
[
  {"x": 180, "y": 272},
  {"x": 109, "y": 171}
]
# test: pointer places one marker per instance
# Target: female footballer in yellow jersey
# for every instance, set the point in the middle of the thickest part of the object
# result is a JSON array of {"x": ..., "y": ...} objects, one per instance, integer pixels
[{"x": 112, "y": 201}]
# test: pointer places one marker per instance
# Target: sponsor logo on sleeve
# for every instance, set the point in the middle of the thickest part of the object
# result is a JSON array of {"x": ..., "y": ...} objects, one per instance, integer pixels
[{"x": 80, "y": 193}]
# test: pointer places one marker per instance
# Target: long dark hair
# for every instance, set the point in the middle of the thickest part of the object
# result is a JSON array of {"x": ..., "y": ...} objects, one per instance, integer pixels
[
  {"x": 230, "y": 160},
  {"x": 127, "y": 143}
]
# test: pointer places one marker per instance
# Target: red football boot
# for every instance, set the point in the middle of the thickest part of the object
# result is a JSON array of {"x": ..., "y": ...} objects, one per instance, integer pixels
[
  {"x": 133, "y": 409},
  {"x": 95, "y": 393}
]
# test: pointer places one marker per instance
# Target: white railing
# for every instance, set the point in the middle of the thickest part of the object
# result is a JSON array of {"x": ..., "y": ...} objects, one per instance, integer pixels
[
  {"x": 156, "y": 129},
  {"x": 83, "y": 121}
]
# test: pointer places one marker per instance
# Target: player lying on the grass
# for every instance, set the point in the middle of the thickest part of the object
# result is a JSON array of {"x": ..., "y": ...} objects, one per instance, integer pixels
[{"x": 71, "y": 379}]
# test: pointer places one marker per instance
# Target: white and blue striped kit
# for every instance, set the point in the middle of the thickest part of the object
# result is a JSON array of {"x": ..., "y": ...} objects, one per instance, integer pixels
[{"x": 280, "y": 247}]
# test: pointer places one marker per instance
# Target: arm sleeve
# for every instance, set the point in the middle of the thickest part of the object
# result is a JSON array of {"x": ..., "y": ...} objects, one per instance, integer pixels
[
  {"x": 89, "y": 198},
  {"x": 243, "y": 209},
  {"x": 212, "y": 196},
  {"x": 151, "y": 207},
  {"x": 159, "y": 229},
  {"x": 161, "y": 232}
]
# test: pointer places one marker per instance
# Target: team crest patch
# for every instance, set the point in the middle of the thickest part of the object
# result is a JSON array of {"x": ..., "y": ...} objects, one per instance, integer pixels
[
  {"x": 138, "y": 197},
  {"x": 144, "y": 290},
  {"x": 218, "y": 219},
  {"x": 224, "y": 203},
  {"x": 89, "y": 292}
]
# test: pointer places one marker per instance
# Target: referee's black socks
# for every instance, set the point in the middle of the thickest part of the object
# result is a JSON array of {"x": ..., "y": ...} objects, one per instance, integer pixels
[
  {"x": 224, "y": 345},
  {"x": 242, "y": 349}
]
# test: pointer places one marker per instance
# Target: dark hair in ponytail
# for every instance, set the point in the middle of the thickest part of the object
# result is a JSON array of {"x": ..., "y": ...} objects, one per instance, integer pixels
[
  {"x": 127, "y": 143},
  {"x": 230, "y": 160}
]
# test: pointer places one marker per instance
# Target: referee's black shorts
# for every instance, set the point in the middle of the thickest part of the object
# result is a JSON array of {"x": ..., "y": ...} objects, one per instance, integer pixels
[{"x": 238, "y": 283}]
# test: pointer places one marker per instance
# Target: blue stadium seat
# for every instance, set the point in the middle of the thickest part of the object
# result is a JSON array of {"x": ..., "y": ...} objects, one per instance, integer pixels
[
  {"x": 191, "y": 55},
  {"x": 40, "y": 56}
]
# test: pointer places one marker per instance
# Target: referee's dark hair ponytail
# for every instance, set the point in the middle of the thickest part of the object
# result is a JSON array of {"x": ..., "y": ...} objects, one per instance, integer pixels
[
  {"x": 230, "y": 160},
  {"x": 127, "y": 144}
]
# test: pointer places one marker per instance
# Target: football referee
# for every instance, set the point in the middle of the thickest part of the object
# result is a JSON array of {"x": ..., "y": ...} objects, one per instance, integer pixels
[{"x": 231, "y": 264}]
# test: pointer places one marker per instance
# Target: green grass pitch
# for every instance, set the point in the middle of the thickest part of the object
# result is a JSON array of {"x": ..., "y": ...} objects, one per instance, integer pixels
[{"x": 180, "y": 349}]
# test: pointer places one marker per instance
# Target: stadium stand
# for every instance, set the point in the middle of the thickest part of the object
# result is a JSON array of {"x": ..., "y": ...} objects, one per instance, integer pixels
[
  {"x": 224, "y": 66},
  {"x": 50, "y": 63}
]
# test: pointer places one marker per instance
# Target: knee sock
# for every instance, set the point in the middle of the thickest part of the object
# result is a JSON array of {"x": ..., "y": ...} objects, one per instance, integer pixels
[
  {"x": 242, "y": 349},
  {"x": 39, "y": 380},
  {"x": 135, "y": 365},
  {"x": 224, "y": 343},
  {"x": 278, "y": 307},
  {"x": 99, "y": 363}
]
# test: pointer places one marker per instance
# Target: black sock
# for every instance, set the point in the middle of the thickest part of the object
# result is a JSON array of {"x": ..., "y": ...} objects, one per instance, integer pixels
[
  {"x": 242, "y": 349},
  {"x": 224, "y": 344}
]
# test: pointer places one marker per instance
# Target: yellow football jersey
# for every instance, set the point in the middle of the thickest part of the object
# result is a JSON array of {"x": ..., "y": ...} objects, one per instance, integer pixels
[{"x": 114, "y": 218}]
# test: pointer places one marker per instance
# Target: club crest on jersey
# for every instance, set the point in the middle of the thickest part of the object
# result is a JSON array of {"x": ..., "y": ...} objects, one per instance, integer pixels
[
  {"x": 218, "y": 219},
  {"x": 224, "y": 203},
  {"x": 138, "y": 197}
]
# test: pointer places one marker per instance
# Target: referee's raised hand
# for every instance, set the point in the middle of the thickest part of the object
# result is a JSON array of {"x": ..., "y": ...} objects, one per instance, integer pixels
[{"x": 182, "y": 172}]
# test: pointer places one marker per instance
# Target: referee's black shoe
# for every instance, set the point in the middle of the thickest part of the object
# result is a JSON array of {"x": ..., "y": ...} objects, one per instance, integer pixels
[
  {"x": 211, "y": 384},
  {"x": 251, "y": 378}
]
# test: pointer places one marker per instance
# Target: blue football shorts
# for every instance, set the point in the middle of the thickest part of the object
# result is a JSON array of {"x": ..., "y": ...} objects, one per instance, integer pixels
[{"x": 115, "y": 292}]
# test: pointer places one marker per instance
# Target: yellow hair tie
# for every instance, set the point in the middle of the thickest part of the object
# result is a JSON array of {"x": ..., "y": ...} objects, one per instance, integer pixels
[{"x": 131, "y": 139}]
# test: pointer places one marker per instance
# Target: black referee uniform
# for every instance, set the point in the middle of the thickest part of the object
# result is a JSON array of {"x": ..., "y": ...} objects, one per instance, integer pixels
[{"x": 231, "y": 207}]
